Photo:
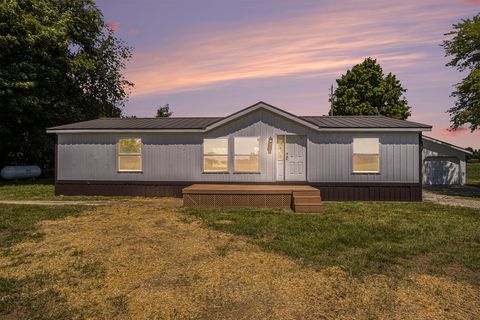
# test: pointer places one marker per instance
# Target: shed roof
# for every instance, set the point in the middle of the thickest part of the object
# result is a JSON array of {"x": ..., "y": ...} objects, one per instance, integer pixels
[
  {"x": 208, "y": 123},
  {"x": 449, "y": 145}
]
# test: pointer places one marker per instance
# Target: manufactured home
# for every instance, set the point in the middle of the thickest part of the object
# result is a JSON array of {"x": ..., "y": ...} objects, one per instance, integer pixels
[{"x": 345, "y": 157}]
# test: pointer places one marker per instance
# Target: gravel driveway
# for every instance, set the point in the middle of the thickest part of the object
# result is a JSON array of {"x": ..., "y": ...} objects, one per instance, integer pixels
[{"x": 450, "y": 200}]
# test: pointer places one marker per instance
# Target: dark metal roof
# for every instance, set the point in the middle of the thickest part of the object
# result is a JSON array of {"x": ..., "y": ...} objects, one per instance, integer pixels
[
  {"x": 362, "y": 122},
  {"x": 185, "y": 123},
  {"x": 140, "y": 123}
]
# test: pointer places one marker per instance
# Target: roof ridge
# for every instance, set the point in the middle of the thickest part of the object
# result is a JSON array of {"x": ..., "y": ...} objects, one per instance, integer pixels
[{"x": 351, "y": 116}]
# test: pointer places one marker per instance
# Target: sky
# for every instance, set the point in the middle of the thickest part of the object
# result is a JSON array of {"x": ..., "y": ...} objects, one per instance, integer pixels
[{"x": 214, "y": 57}]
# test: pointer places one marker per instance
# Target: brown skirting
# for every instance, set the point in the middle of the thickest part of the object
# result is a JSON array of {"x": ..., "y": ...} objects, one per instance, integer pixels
[
  {"x": 238, "y": 200},
  {"x": 119, "y": 188},
  {"x": 329, "y": 191}
]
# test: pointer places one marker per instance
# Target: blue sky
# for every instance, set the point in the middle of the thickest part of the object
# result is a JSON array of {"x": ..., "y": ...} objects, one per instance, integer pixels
[{"x": 211, "y": 58}]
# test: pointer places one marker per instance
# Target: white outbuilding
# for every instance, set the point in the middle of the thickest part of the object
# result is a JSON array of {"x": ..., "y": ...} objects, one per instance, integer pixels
[{"x": 443, "y": 163}]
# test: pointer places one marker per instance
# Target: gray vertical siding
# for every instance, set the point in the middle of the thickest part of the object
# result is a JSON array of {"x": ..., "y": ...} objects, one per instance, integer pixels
[
  {"x": 330, "y": 157},
  {"x": 178, "y": 157}
]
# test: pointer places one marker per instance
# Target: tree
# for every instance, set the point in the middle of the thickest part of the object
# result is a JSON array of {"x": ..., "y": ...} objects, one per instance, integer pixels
[
  {"x": 364, "y": 90},
  {"x": 464, "y": 48},
  {"x": 164, "y": 111},
  {"x": 59, "y": 63},
  {"x": 475, "y": 156}
]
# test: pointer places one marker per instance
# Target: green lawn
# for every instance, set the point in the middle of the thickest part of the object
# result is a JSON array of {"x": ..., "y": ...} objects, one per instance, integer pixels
[
  {"x": 473, "y": 174},
  {"x": 362, "y": 238},
  {"x": 43, "y": 189}
]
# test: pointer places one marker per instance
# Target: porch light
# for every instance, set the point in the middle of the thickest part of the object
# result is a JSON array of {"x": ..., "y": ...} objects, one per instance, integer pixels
[{"x": 270, "y": 145}]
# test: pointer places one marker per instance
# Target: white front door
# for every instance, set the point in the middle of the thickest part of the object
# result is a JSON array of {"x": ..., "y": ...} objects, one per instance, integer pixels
[{"x": 295, "y": 158}]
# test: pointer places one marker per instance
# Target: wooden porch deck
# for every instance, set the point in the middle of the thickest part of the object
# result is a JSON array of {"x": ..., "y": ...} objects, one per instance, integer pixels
[{"x": 300, "y": 198}]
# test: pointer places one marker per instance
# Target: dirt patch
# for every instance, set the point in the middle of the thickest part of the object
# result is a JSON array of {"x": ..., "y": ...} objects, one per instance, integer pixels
[
  {"x": 162, "y": 202},
  {"x": 158, "y": 202},
  {"x": 4, "y": 233},
  {"x": 224, "y": 222},
  {"x": 13, "y": 315},
  {"x": 443, "y": 265},
  {"x": 450, "y": 200},
  {"x": 148, "y": 262}
]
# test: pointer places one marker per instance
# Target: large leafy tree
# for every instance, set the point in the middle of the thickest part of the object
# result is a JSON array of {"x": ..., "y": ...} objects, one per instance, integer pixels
[
  {"x": 464, "y": 48},
  {"x": 365, "y": 90},
  {"x": 59, "y": 63}
]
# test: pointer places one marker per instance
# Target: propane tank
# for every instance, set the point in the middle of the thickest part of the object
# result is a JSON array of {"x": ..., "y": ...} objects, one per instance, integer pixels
[{"x": 20, "y": 172}]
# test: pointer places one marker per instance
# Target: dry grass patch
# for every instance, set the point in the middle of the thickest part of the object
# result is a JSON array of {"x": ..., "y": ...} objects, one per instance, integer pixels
[{"x": 134, "y": 261}]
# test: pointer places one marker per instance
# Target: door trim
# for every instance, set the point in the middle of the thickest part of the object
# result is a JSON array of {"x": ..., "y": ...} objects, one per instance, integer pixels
[
  {"x": 284, "y": 161},
  {"x": 276, "y": 160}
]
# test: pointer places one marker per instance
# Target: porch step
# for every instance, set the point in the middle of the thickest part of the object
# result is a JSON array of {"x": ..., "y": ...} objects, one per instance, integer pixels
[
  {"x": 308, "y": 208},
  {"x": 306, "y": 193},
  {"x": 307, "y": 201},
  {"x": 298, "y": 200}
]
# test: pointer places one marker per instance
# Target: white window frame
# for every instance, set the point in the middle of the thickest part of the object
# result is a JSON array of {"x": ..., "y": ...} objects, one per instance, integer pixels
[
  {"x": 119, "y": 154},
  {"x": 235, "y": 154},
  {"x": 365, "y": 154},
  {"x": 216, "y": 155}
]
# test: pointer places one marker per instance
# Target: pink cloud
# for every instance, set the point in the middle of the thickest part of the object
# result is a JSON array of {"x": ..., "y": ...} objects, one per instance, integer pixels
[
  {"x": 282, "y": 48},
  {"x": 460, "y": 137},
  {"x": 311, "y": 43},
  {"x": 132, "y": 31},
  {"x": 112, "y": 26},
  {"x": 472, "y": 1},
  {"x": 448, "y": 132}
]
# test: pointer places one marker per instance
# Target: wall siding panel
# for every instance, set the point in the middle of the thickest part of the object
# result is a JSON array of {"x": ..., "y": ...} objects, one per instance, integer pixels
[{"x": 178, "y": 157}]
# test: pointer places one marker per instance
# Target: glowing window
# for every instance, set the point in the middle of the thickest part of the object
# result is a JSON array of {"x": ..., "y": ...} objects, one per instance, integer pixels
[
  {"x": 247, "y": 154},
  {"x": 280, "y": 147},
  {"x": 129, "y": 155},
  {"x": 215, "y": 155},
  {"x": 366, "y": 155}
]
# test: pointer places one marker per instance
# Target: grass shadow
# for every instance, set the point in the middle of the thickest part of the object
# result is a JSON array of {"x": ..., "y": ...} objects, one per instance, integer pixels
[
  {"x": 41, "y": 181},
  {"x": 361, "y": 238}
]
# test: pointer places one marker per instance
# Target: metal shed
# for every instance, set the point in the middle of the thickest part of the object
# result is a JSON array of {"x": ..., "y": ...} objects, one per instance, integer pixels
[{"x": 443, "y": 163}]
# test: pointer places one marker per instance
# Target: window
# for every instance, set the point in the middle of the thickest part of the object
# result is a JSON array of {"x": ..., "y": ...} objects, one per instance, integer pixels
[
  {"x": 130, "y": 154},
  {"x": 215, "y": 155},
  {"x": 247, "y": 154},
  {"x": 280, "y": 148},
  {"x": 366, "y": 158}
]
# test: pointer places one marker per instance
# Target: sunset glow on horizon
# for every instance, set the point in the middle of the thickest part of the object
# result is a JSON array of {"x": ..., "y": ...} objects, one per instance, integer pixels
[{"x": 211, "y": 58}]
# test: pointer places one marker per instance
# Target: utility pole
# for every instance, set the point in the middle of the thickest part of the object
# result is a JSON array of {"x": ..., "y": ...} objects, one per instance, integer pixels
[{"x": 331, "y": 100}]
